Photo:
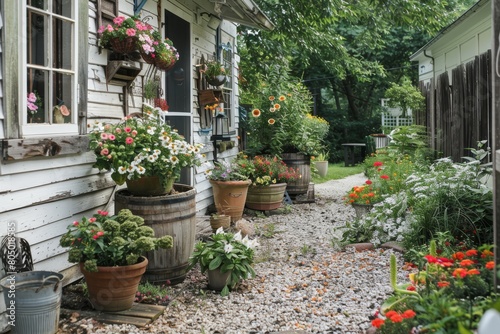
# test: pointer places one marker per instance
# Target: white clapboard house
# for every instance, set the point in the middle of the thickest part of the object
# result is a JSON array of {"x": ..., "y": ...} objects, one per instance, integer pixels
[{"x": 51, "y": 47}]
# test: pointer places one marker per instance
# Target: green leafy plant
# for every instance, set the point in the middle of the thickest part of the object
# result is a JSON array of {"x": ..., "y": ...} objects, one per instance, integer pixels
[
  {"x": 227, "y": 252},
  {"x": 149, "y": 293},
  {"x": 213, "y": 68},
  {"x": 280, "y": 121},
  {"x": 110, "y": 241},
  {"x": 238, "y": 169},
  {"x": 405, "y": 95},
  {"x": 145, "y": 146}
]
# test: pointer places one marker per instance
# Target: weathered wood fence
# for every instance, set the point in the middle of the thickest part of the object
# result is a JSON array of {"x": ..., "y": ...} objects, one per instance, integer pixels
[{"x": 458, "y": 113}]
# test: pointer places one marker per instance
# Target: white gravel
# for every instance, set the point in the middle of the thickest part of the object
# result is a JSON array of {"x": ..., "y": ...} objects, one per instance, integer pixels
[{"x": 303, "y": 282}]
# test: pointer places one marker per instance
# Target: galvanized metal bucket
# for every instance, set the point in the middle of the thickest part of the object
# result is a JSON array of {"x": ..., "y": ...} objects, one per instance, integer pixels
[{"x": 33, "y": 301}]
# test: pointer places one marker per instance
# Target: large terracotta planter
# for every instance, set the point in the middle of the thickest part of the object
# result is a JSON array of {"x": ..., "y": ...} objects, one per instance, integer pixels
[
  {"x": 302, "y": 163},
  {"x": 149, "y": 186},
  {"x": 173, "y": 215},
  {"x": 230, "y": 197},
  {"x": 265, "y": 198},
  {"x": 113, "y": 288}
]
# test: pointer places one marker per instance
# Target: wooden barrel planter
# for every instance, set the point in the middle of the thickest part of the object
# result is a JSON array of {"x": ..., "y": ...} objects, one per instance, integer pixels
[
  {"x": 173, "y": 215},
  {"x": 302, "y": 163}
]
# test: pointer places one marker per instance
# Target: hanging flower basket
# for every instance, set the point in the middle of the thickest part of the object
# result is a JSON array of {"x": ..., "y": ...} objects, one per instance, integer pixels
[
  {"x": 147, "y": 57},
  {"x": 164, "y": 65},
  {"x": 217, "y": 80},
  {"x": 126, "y": 45}
]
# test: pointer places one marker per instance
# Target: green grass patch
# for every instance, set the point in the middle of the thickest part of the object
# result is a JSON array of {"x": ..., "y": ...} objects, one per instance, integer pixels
[{"x": 338, "y": 171}]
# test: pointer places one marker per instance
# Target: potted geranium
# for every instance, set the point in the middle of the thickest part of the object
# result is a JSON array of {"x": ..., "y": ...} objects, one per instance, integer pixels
[
  {"x": 143, "y": 151},
  {"x": 228, "y": 258},
  {"x": 230, "y": 181},
  {"x": 123, "y": 35},
  {"x": 109, "y": 251},
  {"x": 269, "y": 180},
  {"x": 215, "y": 72}
]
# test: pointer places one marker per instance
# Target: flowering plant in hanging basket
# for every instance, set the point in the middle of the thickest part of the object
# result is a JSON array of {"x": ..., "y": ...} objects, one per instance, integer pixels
[
  {"x": 110, "y": 241},
  {"x": 123, "y": 35},
  {"x": 142, "y": 146},
  {"x": 215, "y": 72}
]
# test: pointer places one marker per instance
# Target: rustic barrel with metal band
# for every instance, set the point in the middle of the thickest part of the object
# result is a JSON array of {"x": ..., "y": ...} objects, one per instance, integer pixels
[
  {"x": 173, "y": 215},
  {"x": 302, "y": 163}
]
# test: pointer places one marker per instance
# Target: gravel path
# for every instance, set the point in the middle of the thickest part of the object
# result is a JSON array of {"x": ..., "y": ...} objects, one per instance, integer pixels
[{"x": 303, "y": 282}]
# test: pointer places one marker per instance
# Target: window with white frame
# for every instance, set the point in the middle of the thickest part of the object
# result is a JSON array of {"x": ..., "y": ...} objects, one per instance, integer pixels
[{"x": 49, "y": 50}]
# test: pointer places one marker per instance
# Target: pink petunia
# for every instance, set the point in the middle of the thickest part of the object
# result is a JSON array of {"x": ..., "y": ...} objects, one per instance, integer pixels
[
  {"x": 104, "y": 136},
  {"x": 127, "y": 129},
  {"x": 118, "y": 20},
  {"x": 130, "y": 32},
  {"x": 32, "y": 97},
  {"x": 129, "y": 140},
  {"x": 111, "y": 137},
  {"x": 104, "y": 151}
]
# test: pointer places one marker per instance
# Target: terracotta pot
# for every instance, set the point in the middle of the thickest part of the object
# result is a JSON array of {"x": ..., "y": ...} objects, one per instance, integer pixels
[
  {"x": 217, "y": 80},
  {"x": 217, "y": 280},
  {"x": 230, "y": 197},
  {"x": 265, "y": 198},
  {"x": 220, "y": 221},
  {"x": 149, "y": 186},
  {"x": 113, "y": 288},
  {"x": 126, "y": 45}
]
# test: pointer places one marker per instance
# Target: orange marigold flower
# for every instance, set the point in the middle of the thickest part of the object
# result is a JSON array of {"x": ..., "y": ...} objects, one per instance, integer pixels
[
  {"x": 282, "y": 98},
  {"x": 490, "y": 265},
  {"x": 377, "y": 322},
  {"x": 256, "y": 113},
  {"x": 459, "y": 256},
  {"x": 460, "y": 272},
  {"x": 408, "y": 314},
  {"x": 371, "y": 195},
  {"x": 486, "y": 253},
  {"x": 443, "y": 284},
  {"x": 390, "y": 313},
  {"x": 271, "y": 121},
  {"x": 471, "y": 252},
  {"x": 277, "y": 106},
  {"x": 396, "y": 318},
  {"x": 271, "y": 98},
  {"x": 473, "y": 272},
  {"x": 466, "y": 263}
]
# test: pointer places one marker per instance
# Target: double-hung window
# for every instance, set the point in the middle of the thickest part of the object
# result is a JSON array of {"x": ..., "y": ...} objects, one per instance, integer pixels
[
  {"x": 50, "y": 53},
  {"x": 45, "y": 62}
]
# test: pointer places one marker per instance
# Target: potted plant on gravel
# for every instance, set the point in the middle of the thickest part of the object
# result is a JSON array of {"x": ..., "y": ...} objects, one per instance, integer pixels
[
  {"x": 109, "y": 251},
  {"x": 227, "y": 257},
  {"x": 230, "y": 182},
  {"x": 321, "y": 163},
  {"x": 269, "y": 180}
]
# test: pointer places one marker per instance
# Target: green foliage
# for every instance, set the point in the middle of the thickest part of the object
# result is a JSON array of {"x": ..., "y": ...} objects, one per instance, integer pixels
[
  {"x": 149, "y": 293},
  {"x": 227, "y": 252},
  {"x": 405, "y": 96},
  {"x": 110, "y": 241}
]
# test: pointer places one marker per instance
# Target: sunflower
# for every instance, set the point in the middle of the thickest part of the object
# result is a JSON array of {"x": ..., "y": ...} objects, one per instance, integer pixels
[
  {"x": 271, "y": 121},
  {"x": 256, "y": 113}
]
